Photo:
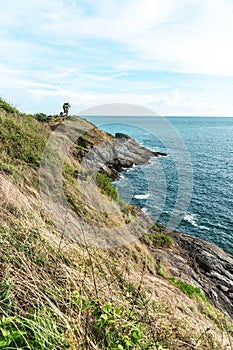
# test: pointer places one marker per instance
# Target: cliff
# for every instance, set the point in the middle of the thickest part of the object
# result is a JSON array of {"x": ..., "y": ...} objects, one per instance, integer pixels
[
  {"x": 109, "y": 277},
  {"x": 197, "y": 261}
]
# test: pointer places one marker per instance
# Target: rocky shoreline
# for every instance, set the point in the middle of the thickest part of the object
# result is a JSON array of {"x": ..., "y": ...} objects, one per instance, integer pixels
[
  {"x": 115, "y": 155},
  {"x": 196, "y": 261},
  {"x": 204, "y": 265}
]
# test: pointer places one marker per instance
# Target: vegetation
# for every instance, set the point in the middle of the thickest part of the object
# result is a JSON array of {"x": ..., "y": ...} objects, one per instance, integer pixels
[
  {"x": 155, "y": 228},
  {"x": 21, "y": 139},
  {"x": 42, "y": 117},
  {"x": 7, "y": 107},
  {"x": 56, "y": 293},
  {"x": 158, "y": 240},
  {"x": 187, "y": 288},
  {"x": 105, "y": 184},
  {"x": 36, "y": 331}
]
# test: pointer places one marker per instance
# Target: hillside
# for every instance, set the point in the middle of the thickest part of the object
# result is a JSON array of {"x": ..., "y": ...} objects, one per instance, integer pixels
[{"x": 82, "y": 269}]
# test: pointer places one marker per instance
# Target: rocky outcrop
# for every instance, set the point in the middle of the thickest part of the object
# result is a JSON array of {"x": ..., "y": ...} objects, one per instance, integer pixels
[
  {"x": 196, "y": 261},
  {"x": 114, "y": 155},
  {"x": 204, "y": 265}
]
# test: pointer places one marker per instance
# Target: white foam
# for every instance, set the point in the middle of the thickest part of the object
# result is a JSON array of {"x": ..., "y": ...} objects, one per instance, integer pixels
[
  {"x": 142, "y": 196},
  {"x": 192, "y": 219},
  {"x": 203, "y": 227},
  {"x": 145, "y": 210}
]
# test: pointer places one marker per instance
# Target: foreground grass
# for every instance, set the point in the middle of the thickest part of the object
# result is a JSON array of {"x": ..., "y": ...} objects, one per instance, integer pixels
[{"x": 74, "y": 297}]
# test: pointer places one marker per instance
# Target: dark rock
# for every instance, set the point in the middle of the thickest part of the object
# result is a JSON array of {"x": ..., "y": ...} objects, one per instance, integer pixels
[
  {"x": 212, "y": 266},
  {"x": 84, "y": 142},
  {"x": 204, "y": 264},
  {"x": 114, "y": 156},
  {"x": 120, "y": 135},
  {"x": 161, "y": 154}
]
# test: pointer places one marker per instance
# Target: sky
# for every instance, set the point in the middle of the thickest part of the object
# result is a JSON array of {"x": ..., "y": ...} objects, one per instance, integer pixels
[{"x": 174, "y": 57}]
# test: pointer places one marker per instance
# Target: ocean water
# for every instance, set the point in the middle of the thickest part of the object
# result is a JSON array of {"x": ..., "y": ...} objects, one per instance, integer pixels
[{"x": 192, "y": 188}]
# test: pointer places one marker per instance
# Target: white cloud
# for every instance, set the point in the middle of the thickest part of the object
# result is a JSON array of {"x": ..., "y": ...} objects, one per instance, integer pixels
[
  {"x": 56, "y": 48},
  {"x": 186, "y": 36}
]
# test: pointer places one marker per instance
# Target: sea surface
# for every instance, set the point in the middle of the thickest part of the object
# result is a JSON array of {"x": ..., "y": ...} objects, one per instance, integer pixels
[{"x": 191, "y": 189}]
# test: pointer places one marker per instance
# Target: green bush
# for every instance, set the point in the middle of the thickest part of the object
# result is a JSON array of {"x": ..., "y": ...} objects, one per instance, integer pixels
[
  {"x": 187, "y": 288},
  {"x": 155, "y": 228},
  {"x": 158, "y": 240},
  {"x": 42, "y": 117},
  {"x": 105, "y": 184},
  {"x": 163, "y": 241}
]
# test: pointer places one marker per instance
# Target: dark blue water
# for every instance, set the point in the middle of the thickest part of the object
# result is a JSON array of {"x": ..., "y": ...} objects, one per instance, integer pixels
[{"x": 206, "y": 210}]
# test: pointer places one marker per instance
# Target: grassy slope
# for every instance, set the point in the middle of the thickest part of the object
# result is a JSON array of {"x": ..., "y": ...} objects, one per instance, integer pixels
[{"x": 57, "y": 294}]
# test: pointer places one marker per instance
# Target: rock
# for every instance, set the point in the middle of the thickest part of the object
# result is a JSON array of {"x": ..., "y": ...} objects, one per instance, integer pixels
[
  {"x": 212, "y": 266},
  {"x": 115, "y": 155},
  {"x": 160, "y": 154},
  {"x": 120, "y": 135},
  {"x": 54, "y": 124},
  {"x": 204, "y": 264},
  {"x": 223, "y": 288}
]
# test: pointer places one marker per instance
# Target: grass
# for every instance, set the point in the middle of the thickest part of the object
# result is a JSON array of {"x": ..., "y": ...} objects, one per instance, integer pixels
[
  {"x": 58, "y": 294},
  {"x": 39, "y": 330},
  {"x": 187, "y": 288},
  {"x": 158, "y": 240},
  {"x": 21, "y": 139},
  {"x": 7, "y": 107},
  {"x": 155, "y": 228},
  {"x": 105, "y": 184}
]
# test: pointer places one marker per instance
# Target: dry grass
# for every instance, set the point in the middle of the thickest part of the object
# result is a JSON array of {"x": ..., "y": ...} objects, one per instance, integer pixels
[{"x": 57, "y": 293}]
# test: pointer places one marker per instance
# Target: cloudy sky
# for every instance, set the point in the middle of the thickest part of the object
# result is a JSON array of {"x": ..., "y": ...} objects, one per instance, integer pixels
[{"x": 175, "y": 57}]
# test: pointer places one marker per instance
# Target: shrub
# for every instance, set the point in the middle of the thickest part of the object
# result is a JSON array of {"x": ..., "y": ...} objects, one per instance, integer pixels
[
  {"x": 158, "y": 240},
  {"x": 155, "y": 228},
  {"x": 163, "y": 241},
  {"x": 116, "y": 328},
  {"x": 105, "y": 184},
  {"x": 42, "y": 117}
]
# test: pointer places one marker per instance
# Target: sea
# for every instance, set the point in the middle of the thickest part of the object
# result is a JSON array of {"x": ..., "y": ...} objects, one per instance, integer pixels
[{"x": 191, "y": 188}]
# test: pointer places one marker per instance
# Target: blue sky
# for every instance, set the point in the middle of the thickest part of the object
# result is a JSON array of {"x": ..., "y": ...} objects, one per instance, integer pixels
[{"x": 175, "y": 57}]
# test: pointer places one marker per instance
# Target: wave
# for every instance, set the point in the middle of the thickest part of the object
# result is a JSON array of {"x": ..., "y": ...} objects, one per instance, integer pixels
[
  {"x": 142, "y": 196},
  {"x": 192, "y": 219},
  {"x": 145, "y": 210}
]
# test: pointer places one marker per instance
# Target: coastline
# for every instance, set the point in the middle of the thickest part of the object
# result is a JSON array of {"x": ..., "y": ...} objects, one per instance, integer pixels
[{"x": 192, "y": 259}]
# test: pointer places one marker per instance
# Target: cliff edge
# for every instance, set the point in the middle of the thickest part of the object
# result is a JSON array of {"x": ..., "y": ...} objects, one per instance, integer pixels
[{"x": 108, "y": 277}]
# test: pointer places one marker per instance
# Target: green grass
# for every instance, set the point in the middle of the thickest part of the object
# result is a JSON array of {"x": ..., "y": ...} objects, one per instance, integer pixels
[
  {"x": 38, "y": 330},
  {"x": 7, "y": 107},
  {"x": 155, "y": 228},
  {"x": 158, "y": 240},
  {"x": 187, "y": 288},
  {"x": 105, "y": 184},
  {"x": 22, "y": 138}
]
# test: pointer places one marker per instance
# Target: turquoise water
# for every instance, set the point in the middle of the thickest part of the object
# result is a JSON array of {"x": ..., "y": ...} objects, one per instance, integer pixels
[{"x": 208, "y": 142}]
